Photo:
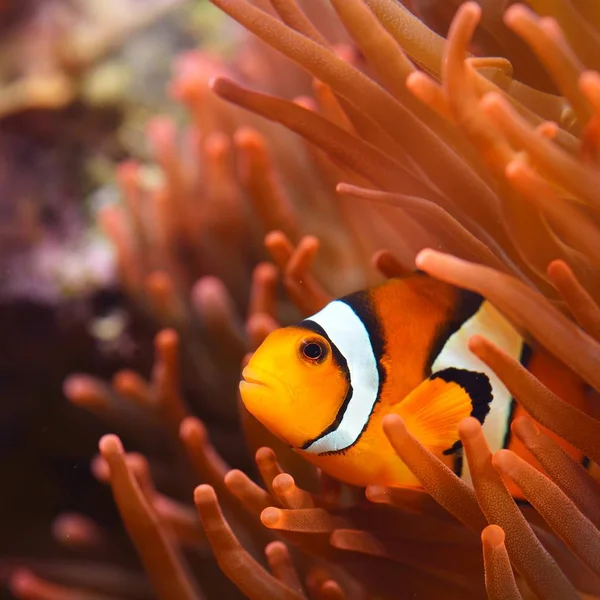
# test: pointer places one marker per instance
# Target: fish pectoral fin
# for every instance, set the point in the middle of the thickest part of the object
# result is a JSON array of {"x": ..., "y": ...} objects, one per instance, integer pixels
[{"x": 433, "y": 410}]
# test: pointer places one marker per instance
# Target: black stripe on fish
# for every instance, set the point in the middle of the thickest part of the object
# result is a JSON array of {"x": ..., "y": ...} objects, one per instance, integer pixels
[
  {"x": 478, "y": 387},
  {"x": 467, "y": 305},
  {"x": 360, "y": 303},
  {"x": 458, "y": 462}
]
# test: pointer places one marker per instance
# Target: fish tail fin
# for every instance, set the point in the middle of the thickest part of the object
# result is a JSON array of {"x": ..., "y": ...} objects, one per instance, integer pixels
[{"x": 433, "y": 409}]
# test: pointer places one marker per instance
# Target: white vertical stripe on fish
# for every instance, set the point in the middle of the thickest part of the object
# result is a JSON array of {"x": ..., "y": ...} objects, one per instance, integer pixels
[
  {"x": 346, "y": 330},
  {"x": 492, "y": 325}
]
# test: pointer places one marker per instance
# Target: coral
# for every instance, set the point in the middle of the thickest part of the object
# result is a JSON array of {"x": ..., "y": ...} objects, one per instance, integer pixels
[{"x": 442, "y": 160}]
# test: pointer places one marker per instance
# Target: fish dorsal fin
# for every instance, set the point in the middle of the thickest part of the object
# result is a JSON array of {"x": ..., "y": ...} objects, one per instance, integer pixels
[{"x": 433, "y": 409}]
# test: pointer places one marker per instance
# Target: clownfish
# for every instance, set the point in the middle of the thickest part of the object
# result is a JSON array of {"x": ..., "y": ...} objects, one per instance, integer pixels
[{"x": 324, "y": 385}]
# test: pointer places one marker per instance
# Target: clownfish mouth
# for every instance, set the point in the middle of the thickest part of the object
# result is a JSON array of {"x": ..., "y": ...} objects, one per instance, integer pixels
[
  {"x": 267, "y": 398},
  {"x": 256, "y": 392},
  {"x": 249, "y": 376}
]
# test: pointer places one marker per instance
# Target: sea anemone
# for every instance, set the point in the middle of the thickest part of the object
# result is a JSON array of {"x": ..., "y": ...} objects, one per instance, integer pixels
[{"x": 442, "y": 160}]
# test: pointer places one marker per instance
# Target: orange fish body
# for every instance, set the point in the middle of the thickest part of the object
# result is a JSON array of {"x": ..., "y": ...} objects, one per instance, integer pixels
[{"x": 324, "y": 385}]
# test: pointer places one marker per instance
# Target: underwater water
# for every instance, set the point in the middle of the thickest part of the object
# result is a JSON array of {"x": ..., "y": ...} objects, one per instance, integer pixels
[{"x": 179, "y": 180}]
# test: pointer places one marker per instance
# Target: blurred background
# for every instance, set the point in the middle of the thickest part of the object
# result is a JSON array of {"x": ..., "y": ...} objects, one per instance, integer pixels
[{"x": 80, "y": 79}]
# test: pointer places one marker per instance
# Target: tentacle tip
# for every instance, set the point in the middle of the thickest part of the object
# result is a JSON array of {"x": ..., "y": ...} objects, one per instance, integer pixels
[
  {"x": 216, "y": 83},
  {"x": 266, "y": 271},
  {"x": 557, "y": 267},
  {"x": 476, "y": 342},
  {"x": 589, "y": 80},
  {"x": 514, "y": 169},
  {"x": 208, "y": 289},
  {"x": 284, "y": 482},
  {"x": 503, "y": 460},
  {"x": 342, "y": 188},
  {"x": 20, "y": 581},
  {"x": 550, "y": 26},
  {"x": 249, "y": 139},
  {"x": 424, "y": 258},
  {"x": 513, "y": 13},
  {"x": 275, "y": 550},
  {"x": 233, "y": 478},
  {"x": 74, "y": 388},
  {"x": 275, "y": 238},
  {"x": 305, "y": 102},
  {"x": 217, "y": 143},
  {"x": 345, "y": 51},
  {"x": 493, "y": 535},
  {"x": 471, "y": 9},
  {"x": 393, "y": 425},
  {"x": 110, "y": 445},
  {"x": 491, "y": 101},
  {"x": 525, "y": 425},
  {"x": 414, "y": 78},
  {"x": 469, "y": 428},
  {"x": 204, "y": 495},
  {"x": 375, "y": 492},
  {"x": 392, "y": 422},
  {"x": 99, "y": 468},
  {"x": 264, "y": 453},
  {"x": 378, "y": 254},
  {"x": 331, "y": 587},
  {"x": 191, "y": 428},
  {"x": 270, "y": 516},
  {"x": 310, "y": 242},
  {"x": 74, "y": 528},
  {"x": 337, "y": 538},
  {"x": 394, "y": 428},
  {"x": 166, "y": 339},
  {"x": 121, "y": 379}
]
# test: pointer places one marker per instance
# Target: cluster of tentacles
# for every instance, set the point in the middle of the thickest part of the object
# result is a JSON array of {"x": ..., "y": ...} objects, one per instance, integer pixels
[
  {"x": 347, "y": 543},
  {"x": 428, "y": 147}
]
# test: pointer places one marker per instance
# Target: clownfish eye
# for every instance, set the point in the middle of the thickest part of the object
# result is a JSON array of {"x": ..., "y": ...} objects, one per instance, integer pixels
[{"x": 313, "y": 350}]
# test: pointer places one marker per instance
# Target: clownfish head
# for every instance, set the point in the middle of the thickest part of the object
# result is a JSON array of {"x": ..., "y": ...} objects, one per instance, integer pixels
[{"x": 294, "y": 384}]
